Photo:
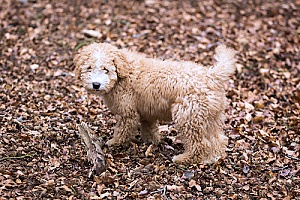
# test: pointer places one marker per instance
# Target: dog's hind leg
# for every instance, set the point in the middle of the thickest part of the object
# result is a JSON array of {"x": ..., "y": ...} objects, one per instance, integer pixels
[
  {"x": 200, "y": 124},
  {"x": 149, "y": 131}
]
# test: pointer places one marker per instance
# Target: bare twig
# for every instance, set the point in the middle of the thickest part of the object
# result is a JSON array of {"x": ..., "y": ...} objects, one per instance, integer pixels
[
  {"x": 164, "y": 191},
  {"x": 20, "y": 123},
  {"x": 17, "y": 157},
  {"x": 93, "y": 146},
  {"x": 161, "y": 190},
  {"x": 292, "y": 157}
]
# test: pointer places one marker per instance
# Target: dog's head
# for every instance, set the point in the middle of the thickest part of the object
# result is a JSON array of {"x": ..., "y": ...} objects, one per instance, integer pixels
[{"x": 100, "y": 66}]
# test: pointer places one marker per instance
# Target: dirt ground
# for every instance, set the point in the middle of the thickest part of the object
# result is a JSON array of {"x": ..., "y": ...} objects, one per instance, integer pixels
[{"x": 41, "y": 153}]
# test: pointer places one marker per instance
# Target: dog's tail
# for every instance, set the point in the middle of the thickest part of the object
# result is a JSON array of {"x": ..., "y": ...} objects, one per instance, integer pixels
[{"x": 224, "y": 67}]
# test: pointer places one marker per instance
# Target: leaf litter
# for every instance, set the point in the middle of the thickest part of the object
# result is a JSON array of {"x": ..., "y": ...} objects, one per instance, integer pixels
[{"x": 41, "y": 155}]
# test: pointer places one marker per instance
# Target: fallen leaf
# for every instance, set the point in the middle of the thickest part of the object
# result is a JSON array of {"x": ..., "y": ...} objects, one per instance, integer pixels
[
  {"x": 175, "y": 188},
  {"x": 92, "y": 33},
  {"x": 149, "y": 151}
]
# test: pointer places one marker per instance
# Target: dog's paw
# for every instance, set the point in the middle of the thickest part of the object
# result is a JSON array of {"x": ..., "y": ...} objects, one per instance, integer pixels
[
  {"x": 111, "y": 142},
  {"x": 181, "y": 158},
  {"x": 212, "y": 160}
]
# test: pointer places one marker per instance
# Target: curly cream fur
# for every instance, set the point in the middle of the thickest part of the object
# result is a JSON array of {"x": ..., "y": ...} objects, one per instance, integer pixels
[{"x": 140, "y": 90}]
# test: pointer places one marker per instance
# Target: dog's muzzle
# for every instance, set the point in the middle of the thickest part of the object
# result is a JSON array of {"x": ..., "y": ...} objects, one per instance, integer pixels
[{"x": 96, "y": 85}]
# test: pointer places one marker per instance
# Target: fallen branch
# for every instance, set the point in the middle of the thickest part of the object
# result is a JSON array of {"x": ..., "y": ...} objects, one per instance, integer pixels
[{"x": 93, "y": 146}]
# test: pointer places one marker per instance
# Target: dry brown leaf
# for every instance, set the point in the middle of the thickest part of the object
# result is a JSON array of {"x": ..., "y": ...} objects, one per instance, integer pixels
[{"x": 175, "y": 188}]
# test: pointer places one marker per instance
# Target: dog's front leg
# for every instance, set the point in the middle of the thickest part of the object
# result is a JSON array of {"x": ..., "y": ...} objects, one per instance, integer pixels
[
  {"x": 149, "y": 131},
  {"x": 124, "y": 130}
]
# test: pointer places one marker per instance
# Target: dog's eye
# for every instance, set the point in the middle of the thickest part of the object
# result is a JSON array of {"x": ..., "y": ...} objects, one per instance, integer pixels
[
  {"x": 89, "y": 68},
  {"x": 106, "y": 70}
]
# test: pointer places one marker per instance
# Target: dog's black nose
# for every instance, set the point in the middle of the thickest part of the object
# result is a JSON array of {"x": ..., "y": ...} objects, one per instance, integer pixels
[{"x": 96, "y": 85}]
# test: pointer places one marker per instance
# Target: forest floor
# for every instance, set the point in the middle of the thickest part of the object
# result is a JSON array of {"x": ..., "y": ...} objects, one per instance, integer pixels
[{"x": 41, "y": 153}]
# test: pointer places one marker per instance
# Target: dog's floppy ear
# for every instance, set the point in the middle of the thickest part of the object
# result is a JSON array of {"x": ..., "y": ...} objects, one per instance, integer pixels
[{"x": 121, "y": 64}]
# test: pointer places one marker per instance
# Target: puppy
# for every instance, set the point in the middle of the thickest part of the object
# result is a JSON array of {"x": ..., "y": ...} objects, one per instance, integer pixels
[{"x": 142, "y": 91}]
